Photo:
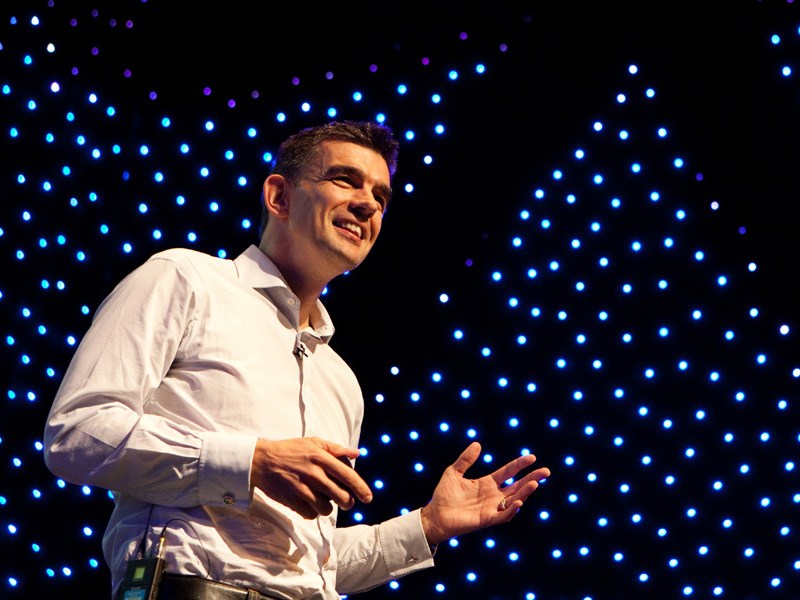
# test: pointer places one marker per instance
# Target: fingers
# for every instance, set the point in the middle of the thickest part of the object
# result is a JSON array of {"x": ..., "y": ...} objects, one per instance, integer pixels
[
  {"x": 341, "y": 483},
  {"x": 510, "y": 469},
  {"x": 508, "y": 504},
  {"x": 532, "y": 477},
  {"x": 336, "y": 449},
  {"x": 314, "y": 500},
  {"x": 308, "y": 475},
  {"x": 310, "y": 505},
  {"x": 519, "y": 491},
  {"x": 504, "y": 473},
  {"x": 342, "y": 473},
  {"x": 469, "y": 456}
]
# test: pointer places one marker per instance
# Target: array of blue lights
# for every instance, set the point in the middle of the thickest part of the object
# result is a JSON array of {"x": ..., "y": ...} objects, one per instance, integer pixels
[{"x": 596, "y": 304}]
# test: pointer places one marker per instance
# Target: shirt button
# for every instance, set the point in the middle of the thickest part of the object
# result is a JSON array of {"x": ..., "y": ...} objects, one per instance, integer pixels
[
  {"x": 290, "y": 301},
  {"x": 228, "y": 499}
]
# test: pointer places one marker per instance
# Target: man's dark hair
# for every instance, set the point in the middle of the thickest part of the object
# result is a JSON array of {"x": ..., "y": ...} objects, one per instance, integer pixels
[{"x": 296, "y": 152}]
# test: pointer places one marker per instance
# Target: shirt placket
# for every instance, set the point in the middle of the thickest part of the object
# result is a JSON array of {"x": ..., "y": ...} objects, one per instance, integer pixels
[{"x": 306, "y": 364}]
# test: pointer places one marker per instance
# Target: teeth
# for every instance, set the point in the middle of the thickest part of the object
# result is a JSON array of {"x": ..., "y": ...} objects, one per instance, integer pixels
[{"x": 351, "y": 227}]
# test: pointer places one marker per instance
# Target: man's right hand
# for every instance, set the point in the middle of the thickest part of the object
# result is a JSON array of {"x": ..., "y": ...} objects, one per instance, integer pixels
[{"x": 307, "y": 475}]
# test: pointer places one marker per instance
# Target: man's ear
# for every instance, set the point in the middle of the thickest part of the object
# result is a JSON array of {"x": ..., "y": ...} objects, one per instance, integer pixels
[{"x": 276, "y": 196}]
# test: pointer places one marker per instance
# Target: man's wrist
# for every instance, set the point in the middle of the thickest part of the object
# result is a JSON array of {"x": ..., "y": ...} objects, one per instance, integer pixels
[{"x": 429, "y": 528}]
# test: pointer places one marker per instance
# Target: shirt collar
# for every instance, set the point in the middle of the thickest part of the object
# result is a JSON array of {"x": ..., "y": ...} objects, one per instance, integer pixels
[{"x": 255, "y": 269}]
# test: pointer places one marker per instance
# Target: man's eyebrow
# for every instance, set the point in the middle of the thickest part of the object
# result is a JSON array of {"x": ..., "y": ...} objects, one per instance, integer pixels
[{"x": 334, "y": 170}]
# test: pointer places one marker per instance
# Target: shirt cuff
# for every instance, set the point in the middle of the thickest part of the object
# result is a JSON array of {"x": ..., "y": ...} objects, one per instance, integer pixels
[
  {"x": 225, "y": 462},
  {"x": 405, "y": 548}
]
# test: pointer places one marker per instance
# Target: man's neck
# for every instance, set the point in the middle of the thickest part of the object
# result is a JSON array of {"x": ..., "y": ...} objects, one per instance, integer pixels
[{"x": 302, "y": 284}]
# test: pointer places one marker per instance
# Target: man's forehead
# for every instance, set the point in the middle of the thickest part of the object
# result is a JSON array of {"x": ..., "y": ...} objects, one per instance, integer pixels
[
  {"x": 337, "y": 149},
  {"x": 334, "y": 153}
]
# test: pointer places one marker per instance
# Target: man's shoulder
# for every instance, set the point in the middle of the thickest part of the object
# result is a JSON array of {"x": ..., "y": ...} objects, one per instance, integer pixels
[
  {"x": 188, "y": 260},
  {"x": 187, "y": 256},
  {"x": 183, "y": 254}
]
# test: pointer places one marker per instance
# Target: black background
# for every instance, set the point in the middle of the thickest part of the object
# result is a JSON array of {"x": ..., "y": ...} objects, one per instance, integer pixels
[{"x": 730, "y": 112}]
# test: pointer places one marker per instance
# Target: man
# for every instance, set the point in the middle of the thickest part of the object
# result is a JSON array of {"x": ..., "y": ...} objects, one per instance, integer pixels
[{"x": 206, "y": 396}]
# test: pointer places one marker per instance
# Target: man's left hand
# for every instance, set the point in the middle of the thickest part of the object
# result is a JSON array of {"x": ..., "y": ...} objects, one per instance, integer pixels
[{"x": 460, "y": 505}]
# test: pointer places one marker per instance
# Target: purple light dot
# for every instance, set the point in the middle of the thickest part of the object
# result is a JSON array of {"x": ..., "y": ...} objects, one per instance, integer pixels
[
  {"x": 231, "y": 103},
  {"x": 462, "y": 35},
  {"x": 329, "y": 75},
  {"x": 74, "y": 70},
  {"x": 94, "y": 12},
  {"x": 153, "y": 95},
  {"x": 254, "y": 94},
  {"x": 699, "y": 177},
  {"x": 742, "y": 230},
  {"x": 113, "y": 22},
  {"x": 95, "y": 51},
  {"x": 73, "y": 22},
  {"x": 129, "y": 24},
  {"x": 373, "y": 67},
  {"x": 295, "y": 81},
  {"x": 426, "y": 61},
  {"x": 503, "y": 47},
  {"x": 127, "y": 72},
  {"x": 206, "y": 91}
]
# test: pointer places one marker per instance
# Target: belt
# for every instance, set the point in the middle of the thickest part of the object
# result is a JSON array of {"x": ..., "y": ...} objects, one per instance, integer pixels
[{"x": 183, "y": 587}]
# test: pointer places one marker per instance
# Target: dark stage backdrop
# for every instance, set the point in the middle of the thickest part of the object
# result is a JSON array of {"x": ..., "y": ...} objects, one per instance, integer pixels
[{"x": 591, "y": 256}]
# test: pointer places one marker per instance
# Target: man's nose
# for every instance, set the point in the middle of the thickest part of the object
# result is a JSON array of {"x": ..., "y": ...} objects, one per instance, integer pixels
[{"x": 364, "y": 205}]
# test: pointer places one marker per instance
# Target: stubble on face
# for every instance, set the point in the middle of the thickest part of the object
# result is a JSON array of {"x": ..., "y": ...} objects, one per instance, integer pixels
[{"x": 346, "y": 188}]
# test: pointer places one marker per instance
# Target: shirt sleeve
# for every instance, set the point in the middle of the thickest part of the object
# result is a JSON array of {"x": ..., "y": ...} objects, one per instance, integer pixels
[
  {"x": 370, "y": 555},
  {"x": 99, "y": 431}
]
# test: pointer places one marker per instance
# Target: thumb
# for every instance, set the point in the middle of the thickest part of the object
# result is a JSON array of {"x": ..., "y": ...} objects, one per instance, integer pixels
[
  {"x": 338, "y": 450},
  {"x": 467, "y": 458}
]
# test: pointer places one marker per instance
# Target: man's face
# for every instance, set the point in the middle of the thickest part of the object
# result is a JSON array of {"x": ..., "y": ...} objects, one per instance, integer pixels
[{"x": 336, "y": 207}]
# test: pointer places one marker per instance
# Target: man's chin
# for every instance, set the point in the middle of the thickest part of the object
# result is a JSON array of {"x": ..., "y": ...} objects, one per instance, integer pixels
[
  {"x": 347, "y": 258},
  {"x": 352, "y": 260},
  {"x": 348, "y": 264}
]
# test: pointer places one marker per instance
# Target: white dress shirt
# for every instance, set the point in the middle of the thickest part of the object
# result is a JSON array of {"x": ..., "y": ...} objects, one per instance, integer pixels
[{"x": 188, "y": 362}]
